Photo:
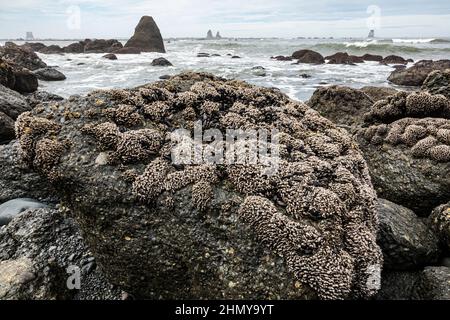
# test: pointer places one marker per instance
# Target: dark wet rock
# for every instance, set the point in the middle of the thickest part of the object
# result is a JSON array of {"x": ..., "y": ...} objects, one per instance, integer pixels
[
  {"x": 406, "y": 241},
  {"x": 215, "y": 55},
  {"x": 21, "y": 56},
  {"x": 438, "y": 82},
  {"x": 128, "y": 50},
  {"x": 17, "y": 181},
  {"x": 163, "y": 231},
  {"x": 147, "y": 36},
  {"x": 417, "y": 74},
  {"x": 7, "y": 77},
  {"x": 343, "y": 58},
  {"x": 342, "y": 105},
  {"x": 77, "y": 47},
  {"x": 164, "y": 77},
  {"x": 433, "y": 284},
  {"x": 371, "y": 57},
  {"x": 378, "y": 93},
  {"x": 53, "y": 49},
  {"x": 49, "y": 74},
  {"x": 161, "y": 62},
  {"x": 12, "y": 208},
  {"x": 439, "y": 221},
  {"x": 308, "y": 56},
  {"x": 397, "y": 285},
  {"x": 25, "y": 80},
  {"x": 235, "y": 57},
  {"x": 203, "y": 55},
  {"x": 399, "y": 67},
  {"x": 407, "y": 148},
  {"x": 12, "y": 103},
  {"x": 393, "y": 59},
  {"x": 282, "y": 58},
  {"x": 102, "y": 46},
  {"x": 36, "y": 250},
  {"x": 35, "y": 46},
  {"x": 305, "y": 76},
  {"x": 110, "y": 56},
  {"x": 6, "y": 128}
]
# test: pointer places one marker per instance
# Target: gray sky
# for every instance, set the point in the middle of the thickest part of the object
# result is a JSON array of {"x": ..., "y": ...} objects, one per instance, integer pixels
[{"x": 233, "y": 18}]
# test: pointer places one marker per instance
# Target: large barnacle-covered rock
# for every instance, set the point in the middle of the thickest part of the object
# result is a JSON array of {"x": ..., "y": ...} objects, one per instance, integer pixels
[
  {"x": 161, "y": 229},
  {"x": 438, "y": 82},
  {"x": 440, "y": 223},
  {"x": 407, "y": 148}
]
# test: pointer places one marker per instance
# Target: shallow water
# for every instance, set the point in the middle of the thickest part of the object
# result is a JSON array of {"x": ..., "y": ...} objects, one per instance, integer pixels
[{"x": 86, "y": 72}]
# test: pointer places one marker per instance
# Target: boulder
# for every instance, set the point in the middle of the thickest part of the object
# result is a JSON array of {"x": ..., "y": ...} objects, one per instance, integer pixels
[
  {"x": 102, "y": 46},
  {"x": 35, "y": 46},
  {"x": 203, "y": 55},
  {"x": 128, "y": 50},
  {"x": 6, "y": 128},
  {"x": 21, "y": 56},
  {"x": 17, "y": 181},
  {"x": 308, "y": 56},
  {"x": 371, "y": 57},
  {"x": 417, "y": 74},
  {"x": 378, "y": 93},
  {"x": 342, "y": 105},
  {"x": 305, "y": 229},
  {"x": 438, "y": 82},
  {"x": 39, "y": 251},
  {"x": 77, "y": 47},
  {"x": 407, "y": 148},
  {"x": 439, "y": 221},
  {"x": 406, "y": 241},
  {"x": 12, "y": 103},
  {"x": 259, "y": 71},
  {"x": 52, "y": 49},
  {"x": 26, "y": 81},
  {"x": 343, "y": 58},
  {"x": 433, "y": 284},
  {"x": 393, "y": 59},
  {"x": 12, "y": 208},
  {"x": 235, "y": 57},
  {"x": 49, "y": 74},
  {"x": 7, "y": 77},
  {"x": 110, "y": 56},
  {"x": 161, "y": 62},
  {"x": 147, "y": 36}
]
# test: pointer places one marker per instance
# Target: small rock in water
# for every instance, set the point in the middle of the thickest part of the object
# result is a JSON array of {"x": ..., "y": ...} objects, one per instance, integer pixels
[
  {"x": 235, "y": 57},
  {"x": 165, "y": 77},
  {"x": 12, "y": 208},
  {"x": 259, "y": 71},
  {"x": 161, "y": 62},
  {"x": 305, "y": 76},
  {"x": 203, "y": 55},
  {"x": 110, "y": 56},
  {"x": 49, "y": 74}
]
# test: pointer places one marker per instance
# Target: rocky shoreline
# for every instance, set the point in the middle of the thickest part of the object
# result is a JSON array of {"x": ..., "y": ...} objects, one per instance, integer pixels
[{"x": 358, "y": 209}]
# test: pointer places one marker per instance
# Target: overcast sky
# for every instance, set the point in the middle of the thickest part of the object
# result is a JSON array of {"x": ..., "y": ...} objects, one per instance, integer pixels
[{"x": 233, "y": 18}]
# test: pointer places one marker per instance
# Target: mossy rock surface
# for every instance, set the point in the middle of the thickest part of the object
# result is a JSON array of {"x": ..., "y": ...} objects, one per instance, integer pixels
[{"x": 161, "y": 230}]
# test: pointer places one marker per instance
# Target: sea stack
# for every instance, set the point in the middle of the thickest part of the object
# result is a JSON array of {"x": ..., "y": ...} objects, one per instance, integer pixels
[
  {"x": 147, "y": 37},
  {"x": 218, "y": 36},
  {"x": 209, "y": 35}
]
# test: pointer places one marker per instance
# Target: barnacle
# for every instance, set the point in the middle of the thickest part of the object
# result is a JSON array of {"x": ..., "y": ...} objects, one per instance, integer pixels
[
  {"x": 125, "y": 115},
  {"x": 137, "y": 145}
]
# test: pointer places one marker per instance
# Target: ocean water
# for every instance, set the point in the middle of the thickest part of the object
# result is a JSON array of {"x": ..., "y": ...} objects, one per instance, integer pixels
[{"x": 86, "y": 72}]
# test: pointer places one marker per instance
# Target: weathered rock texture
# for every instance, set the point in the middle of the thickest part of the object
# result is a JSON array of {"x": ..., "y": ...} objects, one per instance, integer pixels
[
  {"x": 11, "y": 105},
  {"x": 416, "y": 75},
  {"x": 408, "y": 149},
  {"x": 378, "y": 93},
  {"x": 343, "y": 58},
  {"x": 161, "y": 230},
  {"x": 406, "y": 241},
  {"x": 36, "y": 249},
  {"x": 342, "y": 105},
  {"x": 438, "y": 82},
  {"x": 440, "y": 223},
  {"x": 147, "y": 36},
  {"x": 433, "y": 284},
  {"x": 22, "y": 56}
]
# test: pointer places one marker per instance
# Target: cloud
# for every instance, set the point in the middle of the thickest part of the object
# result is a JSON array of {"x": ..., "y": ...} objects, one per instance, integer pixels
[{"x": 236, "y": 18}]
